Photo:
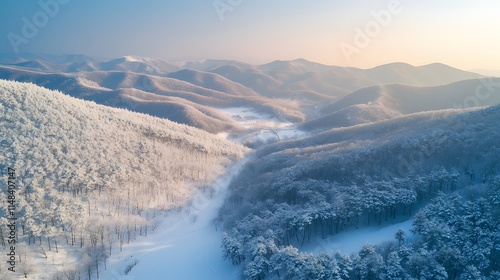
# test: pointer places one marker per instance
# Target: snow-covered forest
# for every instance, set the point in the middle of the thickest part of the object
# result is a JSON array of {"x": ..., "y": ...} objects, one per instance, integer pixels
[
  {"x": 297, "y": 191},
  {"x": 93, "y": 178},
  {"x": 457, "y": 237}
]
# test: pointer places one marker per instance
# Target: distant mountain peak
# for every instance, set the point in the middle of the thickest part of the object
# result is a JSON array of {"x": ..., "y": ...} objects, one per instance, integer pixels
[
  {"x": 393, "y": 65},
  {"x": 130, "y": 58}
]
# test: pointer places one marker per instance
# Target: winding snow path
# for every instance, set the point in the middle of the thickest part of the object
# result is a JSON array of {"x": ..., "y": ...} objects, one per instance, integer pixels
[{"x": 188, "y": 248}]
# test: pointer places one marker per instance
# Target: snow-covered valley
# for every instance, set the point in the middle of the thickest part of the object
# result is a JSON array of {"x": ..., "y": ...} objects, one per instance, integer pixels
[
  {"x": 188, "y": 244},
  {"x": 185, "y": 246},
  {"x": 260, "y": 128}
]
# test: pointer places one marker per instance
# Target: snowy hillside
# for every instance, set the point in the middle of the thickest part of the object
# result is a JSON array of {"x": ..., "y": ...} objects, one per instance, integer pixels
[
  {"x": 294, "y": 193},
  {"x": 78, "y": 63},
  {"x": 303, "y": 75},
  {"x": 384, "y": 102},
  {"x": 86, "y": 170},
  {"x": 213, "y": 81},
  {"x": 423, "y": 76},
  {"x": 137, "y": 65}
]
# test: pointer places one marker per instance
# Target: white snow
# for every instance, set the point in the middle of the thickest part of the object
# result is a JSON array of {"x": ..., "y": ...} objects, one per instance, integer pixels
[
  {"x": 291, "y": 132},
  {"x": 249, "y": 118},
  {"x": 273, "y": 135},
  {"x": 352, "y": 241},
  {"x": 186, "y": 246},
  {"x": 132, "y": 58},
  {"x": 261, "y": 127}
]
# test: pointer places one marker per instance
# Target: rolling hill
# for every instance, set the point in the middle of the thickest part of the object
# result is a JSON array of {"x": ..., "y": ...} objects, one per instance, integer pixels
[
  {"x": 384, "y": 102},
  {"x": 192, "y": 92},
  {"x": 303, "y": 75},
  {"x": 296, "y": 79}
]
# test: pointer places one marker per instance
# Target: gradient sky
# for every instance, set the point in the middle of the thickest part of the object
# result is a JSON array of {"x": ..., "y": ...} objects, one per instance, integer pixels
[{"x": 460, "y": 33}]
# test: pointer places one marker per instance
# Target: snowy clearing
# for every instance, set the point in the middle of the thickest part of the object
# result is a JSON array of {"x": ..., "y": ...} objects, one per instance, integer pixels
[
  {"x": 352, "y": 241},
  {"x": 261, "y": 128},
  {"x": 249, "y": 118}
]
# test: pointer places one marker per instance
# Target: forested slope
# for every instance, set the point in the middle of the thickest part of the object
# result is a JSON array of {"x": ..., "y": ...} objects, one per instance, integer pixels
[
  {"x": 90, "y": 177},
  {"x": 347, "y": 178}
]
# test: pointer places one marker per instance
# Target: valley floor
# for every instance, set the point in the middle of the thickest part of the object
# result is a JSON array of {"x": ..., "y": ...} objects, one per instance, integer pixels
[{"x": 185, "y": 246}]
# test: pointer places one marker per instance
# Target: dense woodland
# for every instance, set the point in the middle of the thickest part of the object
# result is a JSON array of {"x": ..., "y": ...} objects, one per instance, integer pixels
[
  {"x": 91, "y": 178},
  {"x": 295, "y": 191},
  {"x": 457, "y": 237}
]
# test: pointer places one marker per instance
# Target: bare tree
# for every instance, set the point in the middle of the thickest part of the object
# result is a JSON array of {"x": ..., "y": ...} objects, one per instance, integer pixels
[
  {"x": 43, "y": 251},
  {"x": 27, "y": 267},
  {"x": 70, "y": 274}
]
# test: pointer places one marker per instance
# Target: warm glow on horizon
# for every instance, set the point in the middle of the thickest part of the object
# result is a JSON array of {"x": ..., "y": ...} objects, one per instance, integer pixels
[{"x": 360, "y": 33}]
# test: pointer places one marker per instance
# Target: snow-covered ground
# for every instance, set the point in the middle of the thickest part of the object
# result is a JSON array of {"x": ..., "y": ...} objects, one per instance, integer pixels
[
  {"x": 185, "y": 246},
  {"x": 249, "y": 118},
  {"x": 352, "y": 241},
  {"x": 260, "y": 127}
]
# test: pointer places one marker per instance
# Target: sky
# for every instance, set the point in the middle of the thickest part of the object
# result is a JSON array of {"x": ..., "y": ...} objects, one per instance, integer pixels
[{"x": 358, "y": 33}]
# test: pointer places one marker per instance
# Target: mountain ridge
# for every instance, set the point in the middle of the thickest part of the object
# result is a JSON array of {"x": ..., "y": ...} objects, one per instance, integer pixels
[{"x": 383, "y": 102}]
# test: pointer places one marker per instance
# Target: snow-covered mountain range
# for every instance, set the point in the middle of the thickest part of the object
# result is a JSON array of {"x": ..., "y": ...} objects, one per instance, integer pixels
[
  {"x": 120, "y": 162},
  {"x": 188, "y": 92}
]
